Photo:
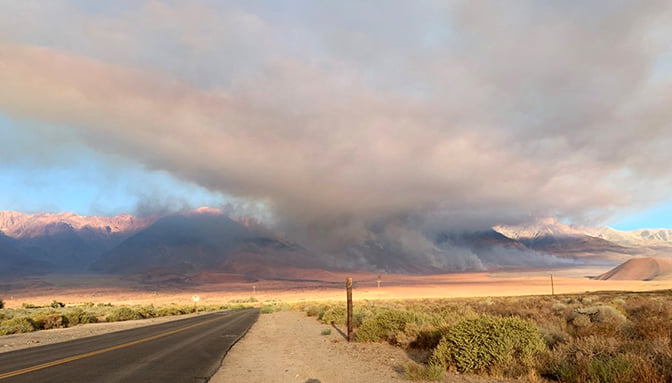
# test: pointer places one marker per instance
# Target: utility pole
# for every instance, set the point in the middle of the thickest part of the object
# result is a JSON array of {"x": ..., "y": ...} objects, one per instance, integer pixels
[
  {"x": 378, "y": 281},
  {"x": 348, "y": 288},
  {"x": 552, "y": 286}
]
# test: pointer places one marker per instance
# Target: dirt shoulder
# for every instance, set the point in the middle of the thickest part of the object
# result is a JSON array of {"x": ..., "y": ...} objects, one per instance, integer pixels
[
  {"x": 288, "y": 347},
  {"x": 38, "y": 338}
]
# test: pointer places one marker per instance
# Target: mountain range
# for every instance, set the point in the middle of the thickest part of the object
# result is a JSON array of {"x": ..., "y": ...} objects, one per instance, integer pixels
[{"x": 180, "y": 246}]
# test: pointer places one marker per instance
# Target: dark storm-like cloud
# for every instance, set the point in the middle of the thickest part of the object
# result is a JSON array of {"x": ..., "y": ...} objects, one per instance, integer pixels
[{"x": 437, "y": 116}]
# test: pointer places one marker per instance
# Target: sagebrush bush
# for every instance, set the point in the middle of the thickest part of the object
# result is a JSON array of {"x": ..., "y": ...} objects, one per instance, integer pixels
[
  {"x": 122, "y": 314},
  {"x": 590, "y": 359},
  {"x": 415, "y": 371},
  {"x": 490, "y": 345},
  {"x": 17, "y": 325},
  {"x": 335, "y": 315},
  {"x": 402, "y": 328},
  {"x": 596, "y": 320},
  {"x": 49, "y": 321},
  {"x": 78, "y": 316},
  {"x": 313, "y": 310}
]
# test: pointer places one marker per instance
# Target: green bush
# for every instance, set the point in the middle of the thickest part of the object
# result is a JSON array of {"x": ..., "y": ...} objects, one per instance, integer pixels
[
  {"x": 78, "y": 316},
  {"x": 267, "y": 309},
  {"x": 391, "y": 326},
  {"x": 490, "y": 345},
  {"x": 123, "y": 314},
  {"x": 56, "y": 304},
  {"x": 335, "y": 315},
  {"x": 173, "y": 310},
  {"x": 326, "y": 331},
  {"x": 17, "y": 325},
  {"x": 147, "y": 311}
]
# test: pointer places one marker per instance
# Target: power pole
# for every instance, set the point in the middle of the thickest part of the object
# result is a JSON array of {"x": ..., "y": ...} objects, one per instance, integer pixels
[{"x": 552, "y": 286}]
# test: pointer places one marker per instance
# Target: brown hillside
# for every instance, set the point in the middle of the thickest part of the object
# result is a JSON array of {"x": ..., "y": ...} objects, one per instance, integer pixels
[{"x": 641, "y": 269}]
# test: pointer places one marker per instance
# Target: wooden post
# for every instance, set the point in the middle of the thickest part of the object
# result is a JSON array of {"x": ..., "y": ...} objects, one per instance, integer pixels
[
  {"x": 552, "y": 286},
  {"x": 348, "y": 287}
]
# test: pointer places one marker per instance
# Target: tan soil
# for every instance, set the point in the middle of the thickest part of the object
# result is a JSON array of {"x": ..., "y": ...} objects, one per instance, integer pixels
[
  {"x": 287, "y": 347},
  {"x": 38, "y": 338}
]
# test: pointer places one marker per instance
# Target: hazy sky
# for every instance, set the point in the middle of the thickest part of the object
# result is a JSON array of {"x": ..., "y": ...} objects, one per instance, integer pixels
[{"x": 338, "y": 116}]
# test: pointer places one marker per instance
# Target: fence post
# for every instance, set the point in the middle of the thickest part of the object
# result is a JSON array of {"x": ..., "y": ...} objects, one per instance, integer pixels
[{"x": 348, "y": 287}]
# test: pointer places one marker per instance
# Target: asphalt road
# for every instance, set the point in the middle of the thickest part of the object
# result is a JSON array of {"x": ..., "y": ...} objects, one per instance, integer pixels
[{"x": 187, "y": 350}]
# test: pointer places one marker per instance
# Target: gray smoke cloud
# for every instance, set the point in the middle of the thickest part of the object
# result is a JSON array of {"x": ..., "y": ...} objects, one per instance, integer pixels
[{"x": 342, "y": 117}]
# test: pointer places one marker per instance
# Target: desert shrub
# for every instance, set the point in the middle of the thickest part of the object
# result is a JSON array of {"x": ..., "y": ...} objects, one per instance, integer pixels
[
  {"x": 148, "y": 311},
  {"x": 78, "y": 316},
  {"x": 267, "y": 309},
  {"x": 490, "y": 345},
  {"x": 553, "y": 338},
  {"x": 101, "y": 304},
  {"x": 335, "y": 315},
  {"x": 596, "y": 320},
  {"x": 173, "y": 310},
  {"x": 122, "y": 314},
  {"x": 313, "y": 310},
  {"x": 51, "y": 320},
  {"x": 415, "y": 371},
  {"x": 2, "y": 304},
  {"x": 326, "y": 331},
  {"x": 56, "y": 304},
  {"x": 393, "y": 326},
  {"x": 29, "y": 306},
  {"x": 558, "y": 308},
  {"x": 17, "y": 325},
  {"x": 591, "y": 359},
  {"x": 651, "y": 319}
]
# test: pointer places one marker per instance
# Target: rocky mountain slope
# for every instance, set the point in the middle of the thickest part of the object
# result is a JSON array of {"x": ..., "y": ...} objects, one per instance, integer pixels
[{"x": 207, "y": 240}]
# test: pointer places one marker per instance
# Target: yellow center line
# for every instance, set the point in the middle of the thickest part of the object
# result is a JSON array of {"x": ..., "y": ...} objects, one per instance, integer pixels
[{"x": 101, "y": 351}]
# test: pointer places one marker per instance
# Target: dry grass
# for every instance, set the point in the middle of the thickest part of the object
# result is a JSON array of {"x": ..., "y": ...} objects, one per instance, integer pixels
[{"x": 592, "y": 337}]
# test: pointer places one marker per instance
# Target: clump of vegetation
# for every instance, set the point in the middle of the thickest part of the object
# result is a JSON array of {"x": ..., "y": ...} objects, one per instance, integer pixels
[
  {"x": 334, "y": 315},
  {"x": 78, "y": 316},
  {"x": 49, "y": 321},
  {"x": 592, "y": 337},
  {"x": 123, "y": 314},
  {"x": 326, "y": 331},
  {"x": 17, "y": 325},
  {"x": 490, "y": 345},
  {"x": 314, "y": 310},
  {"x": 30, "y": 317},
  {"x": 415, "y": 371},
  {"x": 392, "y": 326},
  {"x": 2, "y": 304}
]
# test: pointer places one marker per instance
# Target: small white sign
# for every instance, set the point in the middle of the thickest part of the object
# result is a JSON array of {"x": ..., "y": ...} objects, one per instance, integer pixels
[{"x": 196, "y": 298}]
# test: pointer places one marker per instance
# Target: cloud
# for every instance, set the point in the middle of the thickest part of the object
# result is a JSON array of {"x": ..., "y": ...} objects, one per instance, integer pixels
[{"x": 456, "y": 116}]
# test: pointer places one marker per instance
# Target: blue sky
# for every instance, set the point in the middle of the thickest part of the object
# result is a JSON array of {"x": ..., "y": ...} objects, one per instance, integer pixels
[
  {"x": 339, "y": 116},
  {"x": 77, "y": 179}
]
